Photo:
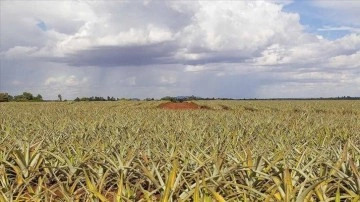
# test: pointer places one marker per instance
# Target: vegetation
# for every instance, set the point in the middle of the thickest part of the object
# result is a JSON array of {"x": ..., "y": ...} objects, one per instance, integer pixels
[
  {"x": 60, "y": 97},
  {"x": 187, "y": 98},
  {"x": 4, "y": 97},
  {"x": 133, "y": 151},
  {"x": 92, "y": 98},
  {"x": 26, "y": 96}
]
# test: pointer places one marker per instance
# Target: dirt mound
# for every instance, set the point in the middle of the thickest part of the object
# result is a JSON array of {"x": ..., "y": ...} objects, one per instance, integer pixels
[{"x": 180, "y": 105}]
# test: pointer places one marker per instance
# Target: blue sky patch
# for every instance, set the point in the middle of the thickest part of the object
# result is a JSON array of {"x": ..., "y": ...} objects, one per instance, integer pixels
[
  {"x": 41, "y": 24},
  {"x": 315, "y": 19}
]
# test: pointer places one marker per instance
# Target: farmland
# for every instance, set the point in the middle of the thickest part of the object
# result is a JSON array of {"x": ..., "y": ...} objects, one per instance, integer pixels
[{"x": 134, "y": 151}]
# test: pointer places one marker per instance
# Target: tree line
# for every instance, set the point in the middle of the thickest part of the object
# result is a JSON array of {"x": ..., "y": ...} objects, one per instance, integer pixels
[
  {"x": 186, "y": 98},
  {"x": 95, "y": 98},
  {"x": 24, "y": 97}
]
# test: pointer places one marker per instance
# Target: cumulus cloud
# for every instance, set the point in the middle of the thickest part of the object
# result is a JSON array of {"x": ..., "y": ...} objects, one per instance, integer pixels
[
  {"x": 67, "y": 85},
  {"x": 140, "y": 49},
  {"x": 345, "y": 61},
  {"x": 216, "y": 32},
  {"x": 319, "y": 51},
  {"x": 241, "y": 25}
]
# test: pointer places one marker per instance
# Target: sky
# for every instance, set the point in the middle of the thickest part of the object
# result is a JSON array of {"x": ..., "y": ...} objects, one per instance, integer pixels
[{"x": 140, "y": 49}]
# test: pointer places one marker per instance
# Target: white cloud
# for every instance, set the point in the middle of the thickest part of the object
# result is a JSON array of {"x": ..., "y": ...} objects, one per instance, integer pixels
[
  {"x": 69, "y": 86},
  {"x": 309, "y": 53},
  {"x": 283, "y": 2},
  {"x": 340, "y": 28},
  {"x": 19, "y": 20},
  {"x": 168, "y": 79},
  {"x": 16, "y": 83},
  {"x": 151, "y": 34},
  {"x": 349, "y": 42},
  {"x": 68, "y": 81},
  {"x": 89, "y": 27},
  {"x": 345, "y": 61},
  {"x": 19, "y": 52},
  {"x": 175, "y": 47},
  {"x": 243, "y": 25},
  {"x": 194, "y": 68},
  {"x": 52, "y": 81},
  {"x": 308, "y": 90},
  {"x": 131, "y": 81},
  {"x": 272, "y": 55}
]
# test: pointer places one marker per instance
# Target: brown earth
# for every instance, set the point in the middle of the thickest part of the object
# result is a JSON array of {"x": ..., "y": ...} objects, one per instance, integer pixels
[{"x": 181, "y": 105}]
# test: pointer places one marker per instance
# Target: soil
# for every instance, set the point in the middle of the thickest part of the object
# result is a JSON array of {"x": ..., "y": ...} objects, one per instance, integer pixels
[{"x": 181, "y": 105}]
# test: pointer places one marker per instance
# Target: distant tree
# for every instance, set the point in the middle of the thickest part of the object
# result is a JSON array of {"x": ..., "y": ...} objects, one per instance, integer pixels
[
  {"x": 96, "y": 98},
  {"x": 166, "y": 98},
  {"x": 172, "y": 99},
  {"x": 60, "y": 97},
  {"x": 19, "y": 98},
  {"x": 24, "y": 97},
  {"x": 77, "y": 99},
  {"x": 38, "y": 98},
  {"x": 28, "y": 96},
  {"x": 193, "y": 97},
  {"x": 4, "y": 97}
]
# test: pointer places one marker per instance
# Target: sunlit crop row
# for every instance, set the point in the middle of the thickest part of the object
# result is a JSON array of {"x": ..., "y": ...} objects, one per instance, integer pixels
[{"x": 133, "y": 151}]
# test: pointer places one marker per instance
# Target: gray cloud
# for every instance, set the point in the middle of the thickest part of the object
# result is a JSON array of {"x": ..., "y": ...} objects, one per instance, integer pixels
[
  {"x": 144, "y": 55},
  {"x": 115, "y": 56}
]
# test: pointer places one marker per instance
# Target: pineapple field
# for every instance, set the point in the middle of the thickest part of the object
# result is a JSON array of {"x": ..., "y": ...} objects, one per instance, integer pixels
[{"x": 223, "y": 151}]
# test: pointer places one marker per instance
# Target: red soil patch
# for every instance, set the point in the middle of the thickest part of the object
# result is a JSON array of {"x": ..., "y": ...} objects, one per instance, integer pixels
[{"x": 181, "y": 105}]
